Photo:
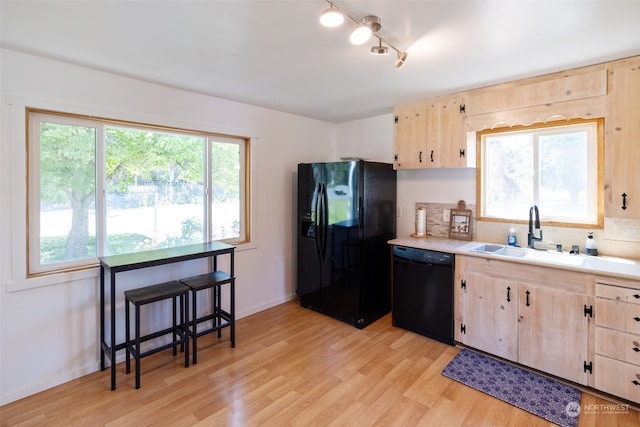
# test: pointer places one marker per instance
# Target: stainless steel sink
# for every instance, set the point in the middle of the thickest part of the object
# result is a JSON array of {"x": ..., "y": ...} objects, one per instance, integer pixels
[
  {"x": 553, "y": 257},
  {"x": 514, "y": 252},
  {"x": 530, "y": 254},
  {"x": 488, "y": 248}
]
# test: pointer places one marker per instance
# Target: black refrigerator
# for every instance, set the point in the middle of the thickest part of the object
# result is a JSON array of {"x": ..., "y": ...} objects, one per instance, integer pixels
[{"x": 346, "y": 215}]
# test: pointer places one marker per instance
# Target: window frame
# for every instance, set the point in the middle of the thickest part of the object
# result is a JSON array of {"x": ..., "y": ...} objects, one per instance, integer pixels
[
  {"x": 33, "y": 118},
  {"x": 599, "y": 184}
]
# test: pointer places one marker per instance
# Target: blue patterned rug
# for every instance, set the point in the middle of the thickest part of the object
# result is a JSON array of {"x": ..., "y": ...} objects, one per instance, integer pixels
[{"x": 541, "y": 396}]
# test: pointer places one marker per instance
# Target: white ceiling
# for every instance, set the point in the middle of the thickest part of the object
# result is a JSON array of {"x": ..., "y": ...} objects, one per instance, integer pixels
[{"x": 275, "y": 54}]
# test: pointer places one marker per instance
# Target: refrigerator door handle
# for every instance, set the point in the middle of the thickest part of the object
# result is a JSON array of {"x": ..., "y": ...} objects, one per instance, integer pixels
[
  {"x": 325, "y": 220},
  {"x": 318, "y": 209},
  {"x": 361, "y": 217}
]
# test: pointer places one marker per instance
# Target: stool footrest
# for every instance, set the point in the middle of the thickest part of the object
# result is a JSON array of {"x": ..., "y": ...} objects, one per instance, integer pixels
[
  {"x": 167, "y": 331},
  {"x": 221, "y": 314},
  {"x": 173, "y": 344}
]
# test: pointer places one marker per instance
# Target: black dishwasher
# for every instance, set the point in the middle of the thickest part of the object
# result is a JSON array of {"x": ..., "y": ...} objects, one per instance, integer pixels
[{"x": 423, "y": 292}]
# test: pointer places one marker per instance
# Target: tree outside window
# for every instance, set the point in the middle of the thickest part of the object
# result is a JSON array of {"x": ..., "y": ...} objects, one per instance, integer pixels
[
  {"x": 103, "y": 189},
  {"x": 553, "y": 166}
]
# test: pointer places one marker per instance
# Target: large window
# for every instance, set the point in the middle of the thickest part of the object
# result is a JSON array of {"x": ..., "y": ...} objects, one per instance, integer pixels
[
  {"x": 101, "y": 187},
  {"x": 555, "y": 166}
]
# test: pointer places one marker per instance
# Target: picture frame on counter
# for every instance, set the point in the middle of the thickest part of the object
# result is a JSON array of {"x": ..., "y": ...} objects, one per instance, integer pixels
[{"x": 460, "y": 222}]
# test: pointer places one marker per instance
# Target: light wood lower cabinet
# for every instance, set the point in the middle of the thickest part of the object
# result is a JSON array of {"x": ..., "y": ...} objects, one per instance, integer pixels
[
  {"x": 537, "y": 320},
  {"x": 617, "y": 378},
  {"x": 617, "y": 339},
  {"x": 553, "y": 331},
  {"x": 490, "y": 311},
  {"x": 618, "y": 345},
  {"x": 573, "y": 325}
]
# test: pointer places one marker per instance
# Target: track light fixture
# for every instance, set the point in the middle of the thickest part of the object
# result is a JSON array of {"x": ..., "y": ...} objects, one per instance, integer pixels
[
  {"x": 331, "y": 17},
  {"x": 379, "y": 50},
  {"x": 366, "y": 27},
  {"x": 360, "y": 34},
  {"x": 402, "y": 58}
]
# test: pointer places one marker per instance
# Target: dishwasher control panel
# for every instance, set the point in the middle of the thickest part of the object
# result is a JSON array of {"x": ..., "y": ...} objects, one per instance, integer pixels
[{"x": 423, "y": 255}]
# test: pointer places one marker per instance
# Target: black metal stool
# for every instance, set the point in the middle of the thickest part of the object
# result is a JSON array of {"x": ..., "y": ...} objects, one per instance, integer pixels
[
  {"x": 220, "y": 318},
  {"x": 180, "y": 336}
]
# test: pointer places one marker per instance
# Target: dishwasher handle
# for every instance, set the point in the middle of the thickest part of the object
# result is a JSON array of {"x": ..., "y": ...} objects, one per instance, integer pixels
[{"x": 423, "y": 256}]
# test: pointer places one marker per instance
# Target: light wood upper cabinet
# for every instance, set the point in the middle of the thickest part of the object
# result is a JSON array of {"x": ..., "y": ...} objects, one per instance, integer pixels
[
  {"x": 622, "y": 136},
  {"x": 430, "y": 134},
  {"x": 410, "y": 135},
  {"x": 554, "y": 88},
  {"x": 446, "y": 139}
]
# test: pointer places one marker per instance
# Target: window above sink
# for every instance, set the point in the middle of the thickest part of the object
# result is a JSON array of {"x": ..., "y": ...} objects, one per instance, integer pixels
[{"x": 557, "y": 166}]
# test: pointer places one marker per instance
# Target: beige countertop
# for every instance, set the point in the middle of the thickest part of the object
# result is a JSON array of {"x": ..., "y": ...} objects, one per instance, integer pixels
[
  {"x": 431, "y": 243},
  {"x": 599, "y": 265}
]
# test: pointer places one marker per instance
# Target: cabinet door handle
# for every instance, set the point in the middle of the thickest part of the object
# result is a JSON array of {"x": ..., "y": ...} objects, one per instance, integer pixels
[
  {"x": 508, "y": 294},
  {"x": 636, "y": 296},
  {"x": 624, "y": 201},
  {"x": 431, "y": 156},
  {"x": 420, "y": 157},
  {"x": 637, "y": 319},
  {"x": 527, "y": 300},
  {"x": 636, "y": 346}
]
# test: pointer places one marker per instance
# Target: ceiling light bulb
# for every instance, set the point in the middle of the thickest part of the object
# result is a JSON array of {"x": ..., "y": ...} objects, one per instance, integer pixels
[
  {"x": 360, "y": 35},
  {"x": 402, "y": 58},
  {"x": 331, "y": 17}
]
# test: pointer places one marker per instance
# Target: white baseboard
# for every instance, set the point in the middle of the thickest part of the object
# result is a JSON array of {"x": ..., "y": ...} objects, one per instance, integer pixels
[
  {"x": 48, "y": 383},
  {"x": 63, "y": 377}
]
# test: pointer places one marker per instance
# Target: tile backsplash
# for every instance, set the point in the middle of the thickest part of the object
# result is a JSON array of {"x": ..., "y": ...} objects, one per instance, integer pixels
[{"x": 436, "y": 225}]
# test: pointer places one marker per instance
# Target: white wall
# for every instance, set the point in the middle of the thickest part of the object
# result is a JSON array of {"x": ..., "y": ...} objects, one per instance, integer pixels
[
  {"x": 49, "y": 332},
  {"x": 372, "y": 138},
  {"x": 49, "y": 326}
]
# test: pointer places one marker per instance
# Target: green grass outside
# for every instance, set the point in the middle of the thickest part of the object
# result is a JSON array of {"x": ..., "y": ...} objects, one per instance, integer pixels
[{"x": 52, "y": 248}]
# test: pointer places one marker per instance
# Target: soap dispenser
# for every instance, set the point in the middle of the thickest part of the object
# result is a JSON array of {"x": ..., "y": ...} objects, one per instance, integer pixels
[
  {"x": 511, "y": 238},
  {"x": 590, "y": 247}
]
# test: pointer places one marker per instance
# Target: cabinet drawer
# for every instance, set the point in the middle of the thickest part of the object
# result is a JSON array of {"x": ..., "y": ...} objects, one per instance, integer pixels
[
  {"x": 618, "y": 345},
  {"x": 618, "y": 293},
  {"x": 618, "y": 315},
  {"x": 618, "y": 378}
]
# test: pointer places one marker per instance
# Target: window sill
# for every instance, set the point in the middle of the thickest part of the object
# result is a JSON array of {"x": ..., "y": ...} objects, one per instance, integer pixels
[{"x": 52, "y": 279}]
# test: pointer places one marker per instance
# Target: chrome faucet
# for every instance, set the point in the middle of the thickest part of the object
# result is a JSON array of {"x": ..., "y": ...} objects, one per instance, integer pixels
[{"x": 531, "y": 238}]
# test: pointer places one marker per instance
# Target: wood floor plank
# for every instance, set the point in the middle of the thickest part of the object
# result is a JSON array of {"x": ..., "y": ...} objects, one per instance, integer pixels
[{"x": 291, "y": 367}]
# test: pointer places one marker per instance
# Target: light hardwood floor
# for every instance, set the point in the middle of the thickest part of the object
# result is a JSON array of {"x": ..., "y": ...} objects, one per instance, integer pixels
[{"x": 291, "y": 366}]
